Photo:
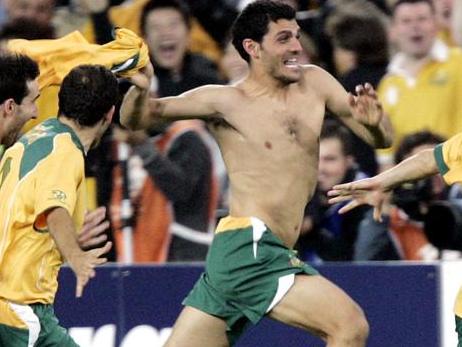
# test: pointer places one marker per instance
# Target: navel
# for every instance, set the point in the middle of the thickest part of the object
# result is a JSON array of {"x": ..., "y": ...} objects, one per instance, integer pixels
[{"x": 268, "y": 145}]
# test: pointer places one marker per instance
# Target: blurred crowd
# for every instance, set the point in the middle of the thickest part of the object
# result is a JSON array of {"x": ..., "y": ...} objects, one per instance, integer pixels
[{"x": 168, "y": 187}]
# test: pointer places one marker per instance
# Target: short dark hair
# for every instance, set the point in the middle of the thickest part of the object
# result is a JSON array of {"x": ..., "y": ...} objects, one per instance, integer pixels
[
  {"x": 411, "y": 141},
  {"x": 332, "y": 129},
  {"x": 253, "y": 22},
  {"x": 401, "y": 2},
  {"x": 15, "y": 71},
  {"x": 87, "y": 93},
  {"x": 152, "y": 5},
  {"x": 365, "y": 36}
]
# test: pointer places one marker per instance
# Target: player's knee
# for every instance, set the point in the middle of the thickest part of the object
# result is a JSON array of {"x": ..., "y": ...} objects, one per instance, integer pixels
[
  {"x": 357, "y": 330},
  {"x": 353, "y": 329}
]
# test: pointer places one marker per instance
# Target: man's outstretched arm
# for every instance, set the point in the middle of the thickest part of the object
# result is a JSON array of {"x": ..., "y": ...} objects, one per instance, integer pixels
[
  {"x": 371, "y": 190},
  {"x": 140, "y": 111}
]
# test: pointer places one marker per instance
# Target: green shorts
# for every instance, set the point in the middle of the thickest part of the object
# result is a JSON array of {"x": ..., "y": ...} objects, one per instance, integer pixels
[
  {"x": 248, "y": 271},
  {"x": 31, "y": 325},
  {"x": 459, "y": 330}
]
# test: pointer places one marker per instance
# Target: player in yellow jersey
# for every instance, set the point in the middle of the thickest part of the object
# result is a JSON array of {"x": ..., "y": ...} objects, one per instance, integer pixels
[
  {"x": 446, "y": 159},
  {"x": 18, "y": 94},
  {"x": 42, "y": 205},
  {"x": 19, "y": 90}
]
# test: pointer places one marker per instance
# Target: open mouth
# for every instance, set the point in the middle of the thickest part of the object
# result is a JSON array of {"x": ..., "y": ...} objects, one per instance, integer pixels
[
  {"x": 417, "y": 39},
  {"x": 291, "y": 63},
  {"x": 167, "y": 48}
]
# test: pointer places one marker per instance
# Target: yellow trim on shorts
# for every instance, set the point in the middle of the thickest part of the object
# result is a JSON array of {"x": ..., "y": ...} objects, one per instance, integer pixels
[
  {"x": 233, "y": 223},
  {"x": 9, "y": 317}
]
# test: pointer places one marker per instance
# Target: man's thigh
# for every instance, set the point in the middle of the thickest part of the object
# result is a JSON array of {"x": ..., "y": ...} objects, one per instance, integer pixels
[
  {"x": 51, "y": 333},
  {"x": 315, "y": 304},
  {"x": 13, "y": 337},
  {"x": 195, "y": 328}
]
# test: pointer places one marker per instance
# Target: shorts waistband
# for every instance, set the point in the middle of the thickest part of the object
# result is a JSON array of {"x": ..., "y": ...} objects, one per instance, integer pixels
[{"x": 235, "y": 223}]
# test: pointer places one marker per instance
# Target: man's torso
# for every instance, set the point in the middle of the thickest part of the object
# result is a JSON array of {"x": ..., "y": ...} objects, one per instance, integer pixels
[{"x": 270, "y": 146}]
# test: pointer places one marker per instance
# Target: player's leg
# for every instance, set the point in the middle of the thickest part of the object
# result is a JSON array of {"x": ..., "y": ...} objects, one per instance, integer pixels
[
  {"x": 51, "y": 334},
  {"x": 458, "y": 312},
  {"x": 315, "y": 304},
  {"x": 459, "y": 330},
  {"x": 195, "y": 328}
]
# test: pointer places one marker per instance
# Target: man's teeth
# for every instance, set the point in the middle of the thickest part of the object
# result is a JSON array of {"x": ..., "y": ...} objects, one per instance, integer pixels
[{"x": 291, "y": 62}]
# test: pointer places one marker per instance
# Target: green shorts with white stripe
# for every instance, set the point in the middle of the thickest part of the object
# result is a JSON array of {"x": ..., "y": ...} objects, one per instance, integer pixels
[
  {"x": 248, "y": 271},
  {"x": 33, "y": 325}
]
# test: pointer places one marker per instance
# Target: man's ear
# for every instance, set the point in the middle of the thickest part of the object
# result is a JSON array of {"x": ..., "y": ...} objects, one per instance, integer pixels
[
  {"x": 9, "y": 106},
  {"x": 251, "y": 47},
  {"x": 108, "y": 116}
]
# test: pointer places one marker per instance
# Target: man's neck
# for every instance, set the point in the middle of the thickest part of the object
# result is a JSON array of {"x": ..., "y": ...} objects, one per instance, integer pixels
[
  {"x": 260, "y": 83},
  {"x": 86, "y": 135}
]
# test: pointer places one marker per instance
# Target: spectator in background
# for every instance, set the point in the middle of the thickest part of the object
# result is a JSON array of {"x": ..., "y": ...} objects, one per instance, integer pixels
[
  {"x": 328, "y": 236},
  {"x": 40, "y": 10},
  {"x": 95, "y": 18},
  {"x": 423, "y": 85},
  {"x": 232, "y": 66},
  {"x": 360, "y": 49},
  {"x": 26, "y": 28},
  {"x": 176, "y": 197},
  {"x": 404, "y": 212},
  {"x": 178, "y": 163},
  {"x": 165, "y": 25},
  {"x": 444, "y": 12}
]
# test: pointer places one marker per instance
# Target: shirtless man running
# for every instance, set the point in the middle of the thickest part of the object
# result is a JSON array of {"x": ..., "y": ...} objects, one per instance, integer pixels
[{"x": 267, "y": 127}]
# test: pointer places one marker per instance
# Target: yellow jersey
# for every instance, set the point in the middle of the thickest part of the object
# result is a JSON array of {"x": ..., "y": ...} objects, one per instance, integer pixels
[
  {"x": 448, "y": 157},
  {"x": 429, "y": 101},
  {"x": 43, "y": 170}
]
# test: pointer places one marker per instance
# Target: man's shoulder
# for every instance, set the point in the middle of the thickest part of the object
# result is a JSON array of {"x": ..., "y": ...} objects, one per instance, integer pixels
[{"x": 313, "y": 70}]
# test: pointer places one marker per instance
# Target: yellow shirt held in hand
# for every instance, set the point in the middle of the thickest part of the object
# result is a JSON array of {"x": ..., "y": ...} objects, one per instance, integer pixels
[{"x": 125, "y": 55}]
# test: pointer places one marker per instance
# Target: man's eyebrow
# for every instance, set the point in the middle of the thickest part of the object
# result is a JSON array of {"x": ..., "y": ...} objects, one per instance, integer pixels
[{"x": 288, "y": 31}]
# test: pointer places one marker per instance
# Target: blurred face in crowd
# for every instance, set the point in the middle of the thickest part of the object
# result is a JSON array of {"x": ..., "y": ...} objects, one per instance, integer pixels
[
  {"x": 333, "y": 163},
  {"x": 344, "y": 60},
  {"x": 167, "y": 36},
  {"x": 443, "y": 11},
  {"x": 39, "y": 10},
  {"x": 414, "y": 29},
  {"x": 232, "y": 64},
  {"x": 16, "y": 115}
]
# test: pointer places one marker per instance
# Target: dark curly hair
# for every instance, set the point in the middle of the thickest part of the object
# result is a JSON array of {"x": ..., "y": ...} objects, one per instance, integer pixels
[{"x": 87, "y": 93}]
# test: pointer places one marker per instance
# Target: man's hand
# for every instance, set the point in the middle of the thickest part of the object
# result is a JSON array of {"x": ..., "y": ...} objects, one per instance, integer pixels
[
  {"x": 93, "y": 227},
  {"x": 367, "y": 191},
  {"x": 142, "y": 79},
  {"x": 365, "y": 106},
  {"x": 83, "y": 264}
]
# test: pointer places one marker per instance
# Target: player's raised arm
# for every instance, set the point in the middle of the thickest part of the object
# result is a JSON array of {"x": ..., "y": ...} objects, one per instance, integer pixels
[
  {"x": 362, "y": 112},
  {"x": 140, "y": 111},
  {"x": 370, "y": 190}
]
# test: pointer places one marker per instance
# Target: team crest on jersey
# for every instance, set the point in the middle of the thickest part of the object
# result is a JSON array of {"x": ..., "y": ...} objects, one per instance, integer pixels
[
  {"x": 58, "y": 195},
  {"x": 294, "y": 261}
]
